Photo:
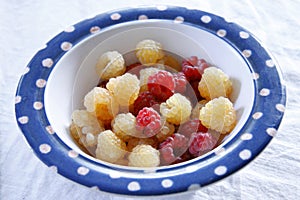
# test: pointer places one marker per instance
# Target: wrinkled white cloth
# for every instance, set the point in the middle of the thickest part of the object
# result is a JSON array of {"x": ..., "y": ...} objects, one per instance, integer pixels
[{"x": 25, "y": 27}]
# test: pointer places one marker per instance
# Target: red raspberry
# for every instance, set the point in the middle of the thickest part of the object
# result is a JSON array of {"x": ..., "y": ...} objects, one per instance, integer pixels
[
  {"x": 148, "y": 122},
  {"x": 193, "y": 68},
  {"x": 172, "y": 148},
  {"x": 192, "y": 126},
  {"x": 134, "y": 68},
  {"x": 161, "y": 85},
  {"x": 145, "y": 99},
  {"x": 201, "y": 143},
  {"x": 180, "y": 82}
]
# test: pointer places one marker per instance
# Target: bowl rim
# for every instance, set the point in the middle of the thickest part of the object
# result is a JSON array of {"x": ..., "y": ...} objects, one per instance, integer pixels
[{"x": 254, "y": 136}]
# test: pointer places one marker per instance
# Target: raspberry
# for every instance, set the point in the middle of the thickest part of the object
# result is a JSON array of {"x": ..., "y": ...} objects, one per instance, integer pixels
[
  {"x": 172, "y": 148},
  {"x": 100, "y": 102},
  {"x": 123, "y": 126},
  {"x": 196, "y": 110},
  {"x": 170, "y": 61},
  {"x": 149, "y": 51},
  {"x": 177, "y": 109},
  {"x": 214, "y": 83},
  {"x": 180, "y": 82},
  {"x": 161, "y": 85},
  {"x": 166, "y": 130},
  {"x": 201, "y": 143},
  {"x": 191, "y": 126},
  {"x": 110, "y": 148},
  {"x": 145, "y": 99},
  {"x": 134, "y": 69},
  {"x": 125, "y": 88},
  {"x": 148, "y": 122},
  {"x": 193, "y": 68},
  {"x": 110, "y": 64},
  {"x": 144, "y": 76},
  {"x": 144, "y": 156},
  {"x": 133, "y": 142},
  {"x": 219, "y": 115}
]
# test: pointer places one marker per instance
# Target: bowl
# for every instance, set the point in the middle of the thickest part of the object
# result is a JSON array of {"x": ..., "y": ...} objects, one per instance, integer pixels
[{"x": 60, "y": 75}]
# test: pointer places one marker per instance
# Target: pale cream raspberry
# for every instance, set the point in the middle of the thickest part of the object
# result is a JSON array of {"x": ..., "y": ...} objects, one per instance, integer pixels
[
  {"x": 123, "y": 126},
  {"x": 214, "y": 83},
  {"x": 100, "y": 102},
  {"x": 125, "y": 88},
  {"x": 110, "y": 64},
  {"x": 144, "y": 156},
  {"x": 219, "y": 115},
  {"x": 110, "y": 148},
  {"x": 177, "y": 109},
  {"x": 149, "y": 51}
]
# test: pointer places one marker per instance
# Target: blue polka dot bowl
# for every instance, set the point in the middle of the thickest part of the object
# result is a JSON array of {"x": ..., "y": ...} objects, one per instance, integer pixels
[{"x": 58, "y": 76}]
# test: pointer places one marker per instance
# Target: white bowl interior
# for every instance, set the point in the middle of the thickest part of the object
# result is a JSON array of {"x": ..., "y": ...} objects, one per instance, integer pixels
[{"x": 74, "y": 75}]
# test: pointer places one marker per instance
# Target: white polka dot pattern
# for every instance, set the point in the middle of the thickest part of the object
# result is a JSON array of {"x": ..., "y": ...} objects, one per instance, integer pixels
[
  {"x": 246, "y": 136},
  {"x": 194, "y": 187},
  {"x": 166, "y": 183},
  {"x": 23, "y": 119},
  {"x": 95, "y": 29},
  {"x": 142, "y": 17},
  {"x": 134, "y": 186},
  {"x": 271, "y": 132},
  {"x": 72, "y": 154},
  {"x": 115, "y": 174},
  {"x": 244, "y": 35},
  {"x": 280, "y": 107},
  {"x": 270, "y": 63},
  {"x": 69, "y": 29},
  {"x": 247, "y": 53},
  {"x": 245, "y": 154},
  {"x": 45, "y": 148},
  {"x": 255, "y": 76},
  {"x": 264, "y": 92},
  {"x": 206, "y": 19},
  {"x": 47, "y": 62},
  {"x": 18, "y": 99},
  {"x": 115, "y": 16},
  {"x": 221, "y": 170},
  {"x": 50, "y": 130},
  {"x": 257, "y": 115},
  {"x": 179, "y": 20},
  {"x": 40, "y": 83},
  {"x": 161, "y": 7},
  {"x": 38, "y": 105},
  {"x": 221, "y": 33},
  {"x": 66, "y": 46},
  {"x": 83, "y": 171}
]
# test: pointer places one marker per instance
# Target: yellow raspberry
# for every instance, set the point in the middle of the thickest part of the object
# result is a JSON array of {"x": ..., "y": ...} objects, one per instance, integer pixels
[
  {"x": 125, "y": 88},
  {"x": 110, "y": 64},
  {"x": 123, "y": 126},
  {"x": 144, "y": 156},
  {"x": 144, "y": 75},
  {"x": 177, "y": 109},
  {"x": 167, "y": 130},
  {"x": 214, "y": 83},
  {"x": 149, "y": 51},
  {"x": 171, "y": 61},
  {"x": 134, "y": 141},
  {"x": 110, "y": 148},
  {"x": 219, "y": 115},
  {"x": 197, "y": 108},
  {"x": 100, "y": 102}
]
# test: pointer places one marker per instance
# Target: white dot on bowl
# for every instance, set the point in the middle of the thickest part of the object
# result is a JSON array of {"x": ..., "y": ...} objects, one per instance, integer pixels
[
  {"x": 166, "y": 183},
  {"x": 264, "y": 92},
  {"x": 161, "y": 7},
  {"x": 143, "y": 17},
  {"x": 95, "y": 188},
  {"x": 244, "y": 35},
  {"x": 271, "y": 131},
  {"x": 257, "y": 115},
  {"x": 221, "y": 170},
  {"x": 40, "y": 83},
  {"x": 69, "y": 29},
  {"x": 26, "y": 70},
  {"x": 94, "y": 29},
  {"x": 53, "y": 168},
  {"x": 115, "y": 16},
  {"x": 18, "y": 99},
  {"x": 194, "y": 187},
  {"x": 205, "y": 19},
  {"x": 134, "y": 186},
  {"x": 72, "y": 154},
  {"x": 66, "y": 46},
  {"x": 220, "y": 151},
  {"x": 45, "y": 148},
  {"x": 245, "y": 154},
  {"x": 50, "y": 130},
  {"x": 178, "y": 20},
  {"x": 246, "y": 136},
  {"x": 247, "y": 53},
  {"x": 37, "y": 105},
  {"x": 82, "y": 171},
  {"x": 23, "y": 119},
  {"x": 47, "y": 62},
  {"x": 221, "y": 33},
  {"x": 270, "y": 63},
  {"x": 191, "y": 169},
  {"x": 115, "y": 174},
  {"x": 255, "y": 76},
  {"x": 280, "y": 107}
]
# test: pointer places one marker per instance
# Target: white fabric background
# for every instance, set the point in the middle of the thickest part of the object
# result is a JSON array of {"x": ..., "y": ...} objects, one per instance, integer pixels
[{"x": 25, "y": 26}]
